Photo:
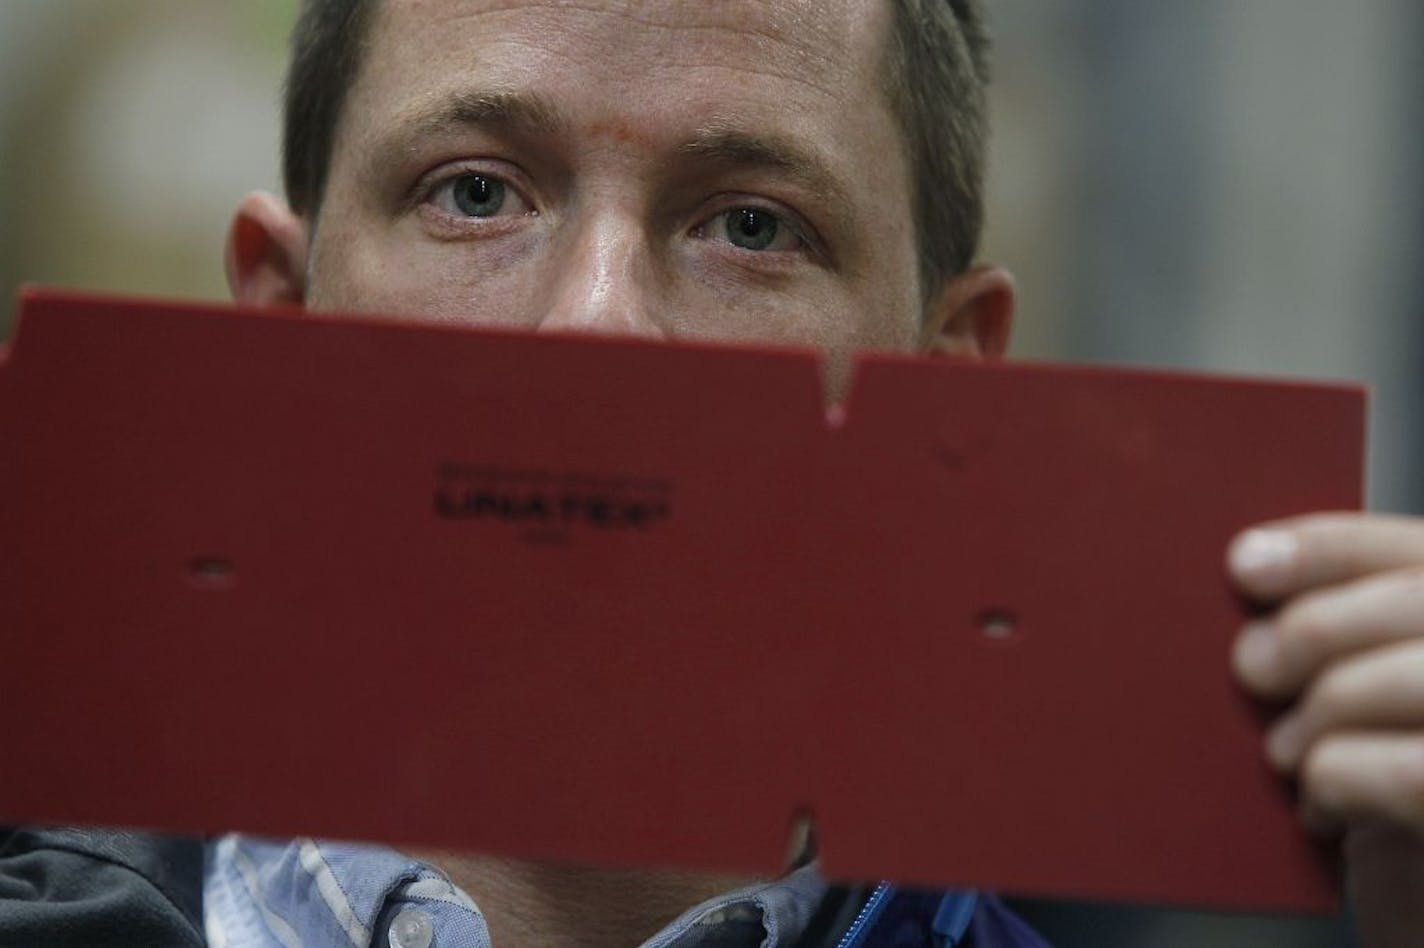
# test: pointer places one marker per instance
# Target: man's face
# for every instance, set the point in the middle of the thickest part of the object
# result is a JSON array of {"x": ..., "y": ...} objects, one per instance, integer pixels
[{"x": 682, "y": 169}]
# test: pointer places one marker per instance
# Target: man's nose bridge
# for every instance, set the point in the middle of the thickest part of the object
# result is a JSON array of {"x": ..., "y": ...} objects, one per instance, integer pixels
[{"x": 605, "y": 281}]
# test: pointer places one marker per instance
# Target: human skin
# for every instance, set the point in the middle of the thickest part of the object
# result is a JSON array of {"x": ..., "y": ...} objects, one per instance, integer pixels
[
  {"x": 623, "y": 130},
  {"x": 628, "y": 138}
]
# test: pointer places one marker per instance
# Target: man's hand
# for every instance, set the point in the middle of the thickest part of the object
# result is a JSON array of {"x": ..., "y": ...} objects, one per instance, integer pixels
[{"x": 1344, "y": 643}]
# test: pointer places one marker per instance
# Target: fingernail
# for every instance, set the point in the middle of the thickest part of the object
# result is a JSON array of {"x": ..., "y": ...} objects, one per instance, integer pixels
[
  {"x": 1283, "y": 743},
  {"x": 1257, "y": 653},
  {"x": 1263, "y": 556}
]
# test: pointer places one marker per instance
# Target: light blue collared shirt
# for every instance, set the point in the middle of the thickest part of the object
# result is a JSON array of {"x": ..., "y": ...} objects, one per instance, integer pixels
[{"x": 260, "y": 893}]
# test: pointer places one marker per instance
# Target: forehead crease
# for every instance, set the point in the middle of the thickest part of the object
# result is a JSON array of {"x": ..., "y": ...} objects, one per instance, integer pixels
[
  {"x": 776, "y": 40},
  {"x": 496, "y": 59},
  {"x": 815, "y": 33},
  {"x": 815, "y": 44}
]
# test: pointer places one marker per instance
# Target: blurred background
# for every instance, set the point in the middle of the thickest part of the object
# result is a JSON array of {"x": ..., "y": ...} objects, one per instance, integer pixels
[{"x": 1219, "y": 185}]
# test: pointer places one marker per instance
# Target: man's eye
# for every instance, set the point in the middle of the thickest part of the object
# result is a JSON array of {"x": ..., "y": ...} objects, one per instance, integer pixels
[
  {"x": 752, "y": 228},
  {"x": 478, "y": 196}
]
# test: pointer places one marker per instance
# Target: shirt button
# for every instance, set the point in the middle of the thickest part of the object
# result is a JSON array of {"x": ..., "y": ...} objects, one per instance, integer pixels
[{"x": 411, "y": 928}]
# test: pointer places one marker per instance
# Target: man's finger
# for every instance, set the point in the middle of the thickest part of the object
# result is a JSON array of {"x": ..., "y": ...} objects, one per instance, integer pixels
[
  {"x": 1277, "y": 560},
  {"x": 1359, "y": 776},
  {"x": 1278, "y": 656},
  {"x": 1378, "y": 689}
]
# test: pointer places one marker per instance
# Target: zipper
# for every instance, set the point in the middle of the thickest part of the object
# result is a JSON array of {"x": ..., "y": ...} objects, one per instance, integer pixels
[{"x": 866, "y": 916}]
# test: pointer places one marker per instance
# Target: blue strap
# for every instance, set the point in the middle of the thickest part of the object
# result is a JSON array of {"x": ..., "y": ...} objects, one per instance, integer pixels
[{"x": 956, "y": 911}]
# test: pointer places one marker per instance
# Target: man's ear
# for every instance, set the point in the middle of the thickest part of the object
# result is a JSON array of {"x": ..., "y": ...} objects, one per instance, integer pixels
[
  {"x": 266, "y": 255},
  {"x": 971, "y": 314}
]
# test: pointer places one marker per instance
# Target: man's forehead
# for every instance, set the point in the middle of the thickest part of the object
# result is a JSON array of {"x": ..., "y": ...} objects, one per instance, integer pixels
[
  {"x": 818, "y": 42},
  {"x": 651, "y": 73},
  {"x": 798, "y": 22}
]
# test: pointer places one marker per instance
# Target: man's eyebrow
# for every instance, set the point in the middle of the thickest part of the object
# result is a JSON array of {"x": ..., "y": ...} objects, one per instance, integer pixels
[
  {"x": 721, "y": 143},
  {"x": 512, "y": 112}
]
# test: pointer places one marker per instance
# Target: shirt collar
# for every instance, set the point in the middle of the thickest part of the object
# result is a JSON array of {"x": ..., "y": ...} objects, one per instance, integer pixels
[{"x": 280, "y": 892}]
